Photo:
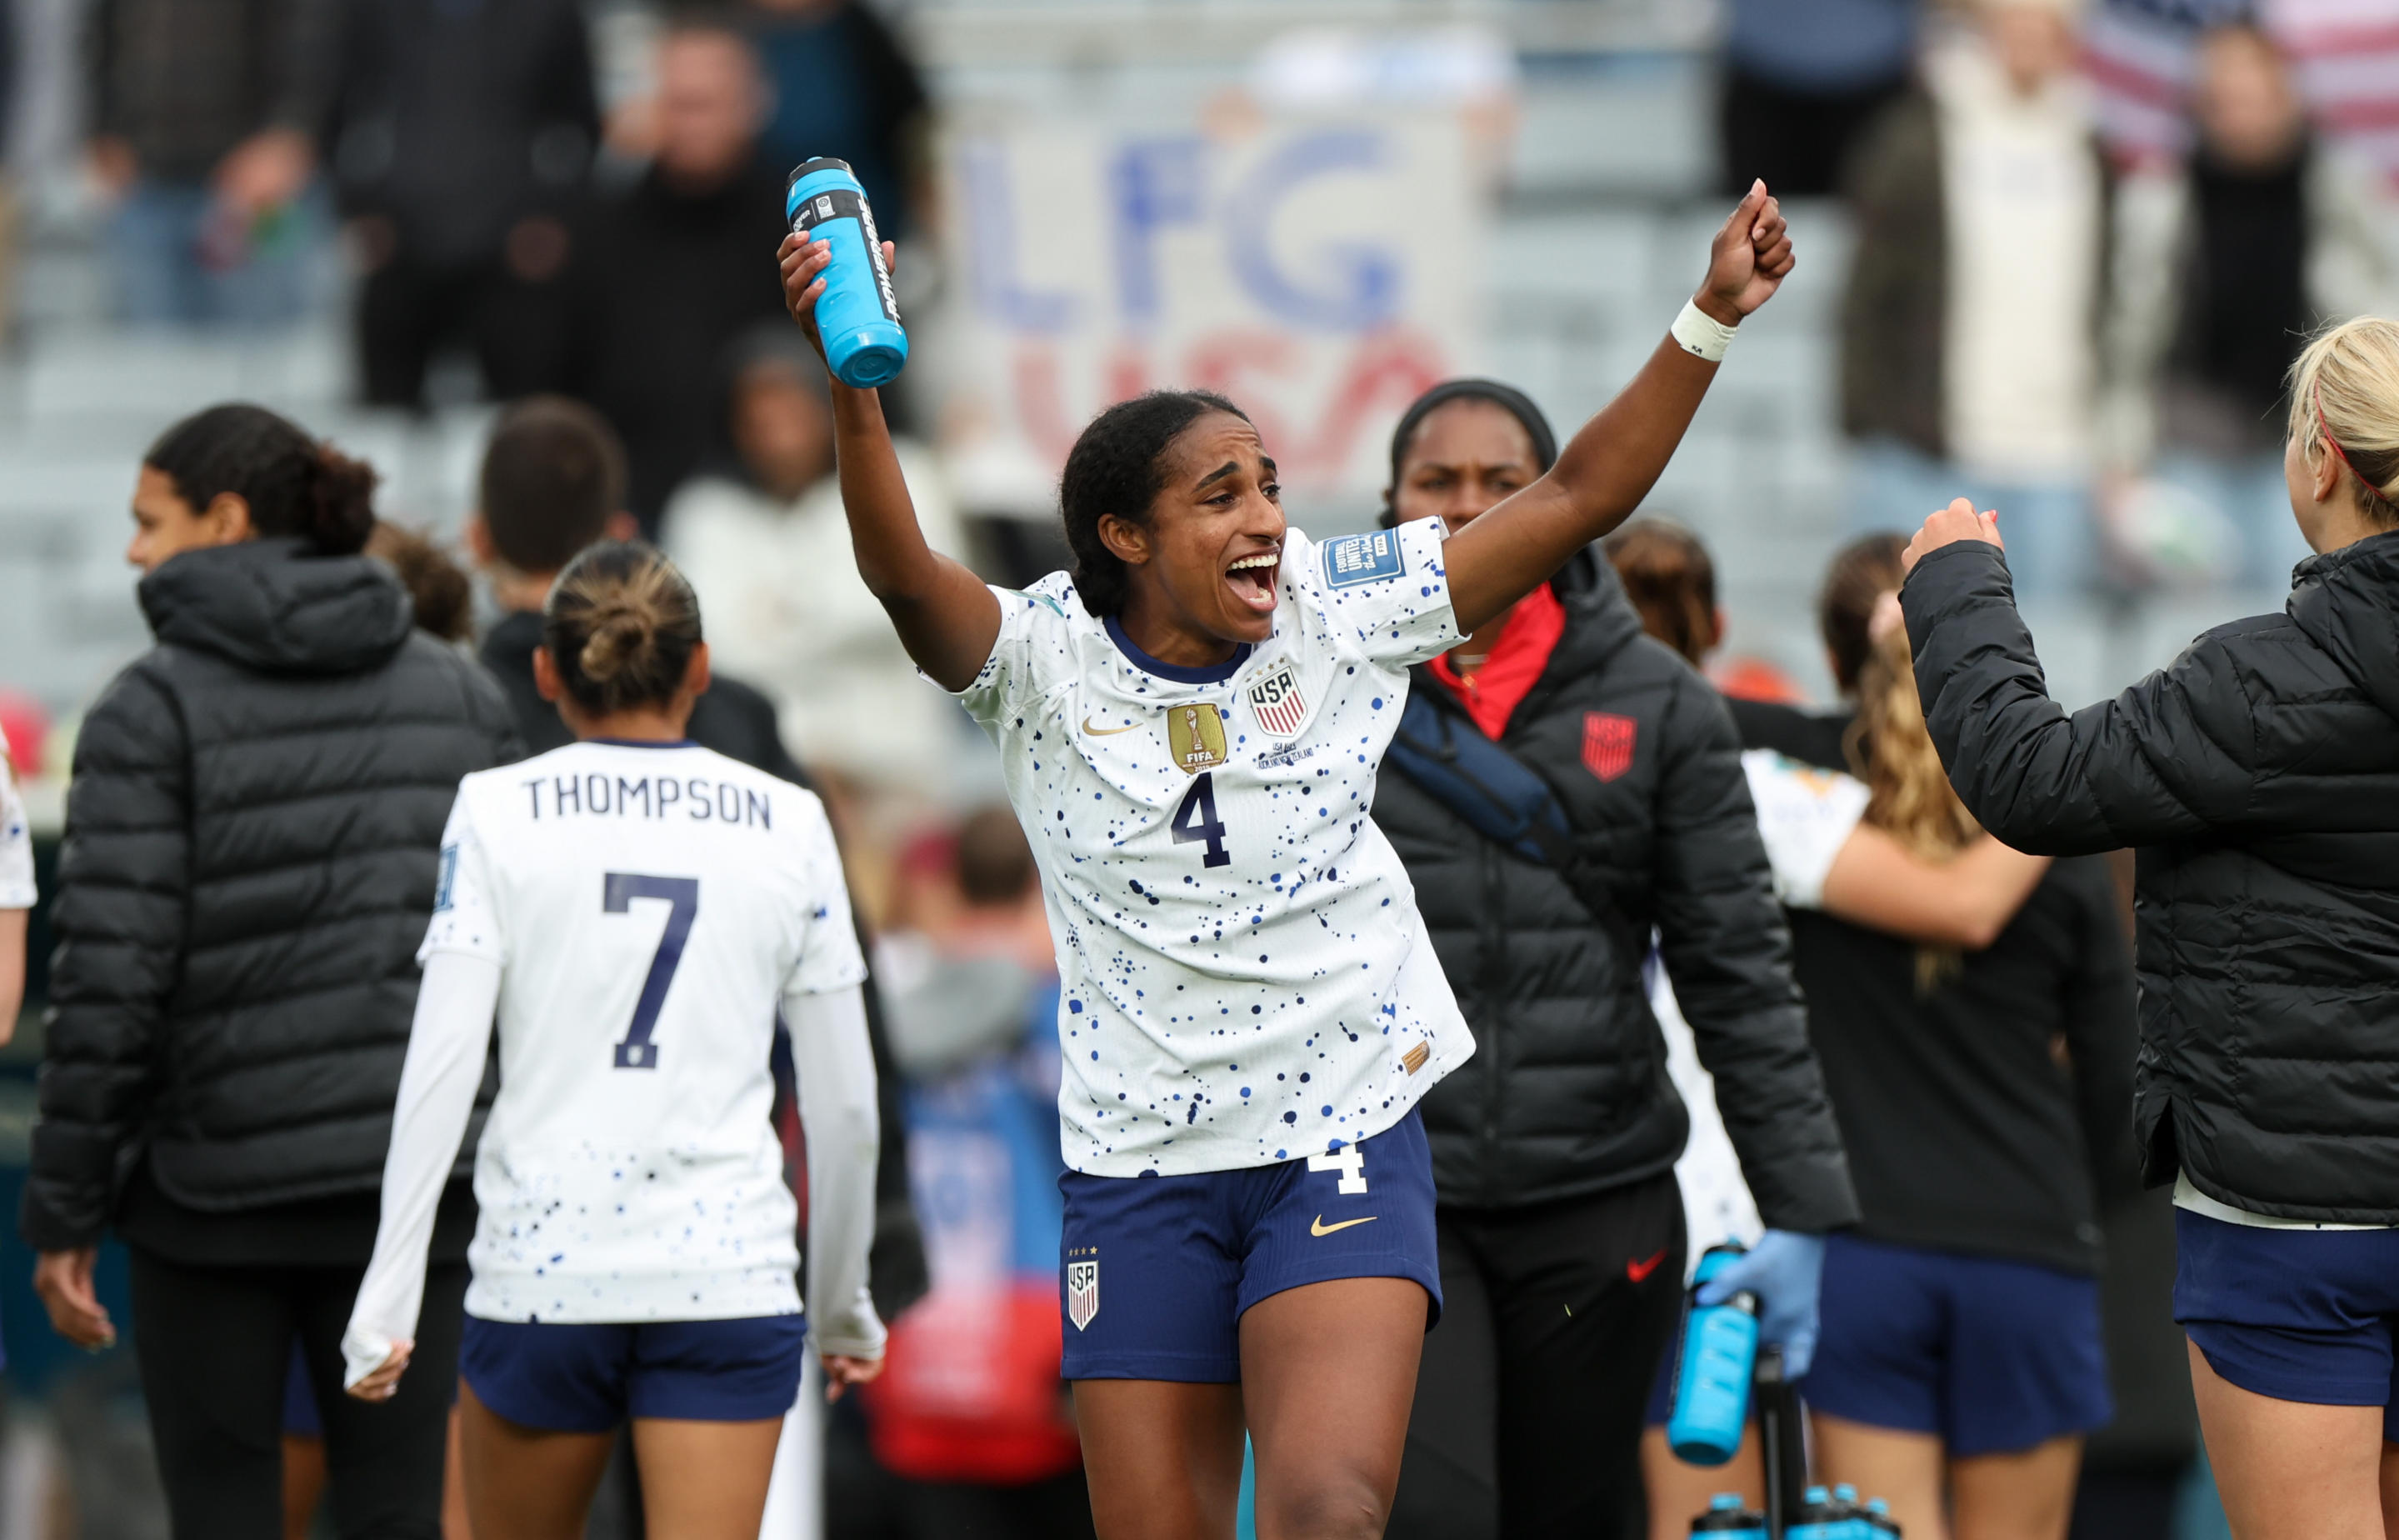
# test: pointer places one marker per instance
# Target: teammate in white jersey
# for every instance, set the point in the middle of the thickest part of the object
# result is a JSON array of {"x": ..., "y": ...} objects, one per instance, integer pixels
[
  {"x": 638, "y": 909},
  {"x": 17, "y": 895},
  {"x": 1190, "y": 726}
]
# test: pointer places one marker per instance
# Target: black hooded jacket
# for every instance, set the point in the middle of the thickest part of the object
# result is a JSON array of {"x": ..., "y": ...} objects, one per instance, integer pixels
[
  {"x": 1568, "y": 1092},
  {"x": 2258, "y": 778},
  {"x": 252, "y": 835}
]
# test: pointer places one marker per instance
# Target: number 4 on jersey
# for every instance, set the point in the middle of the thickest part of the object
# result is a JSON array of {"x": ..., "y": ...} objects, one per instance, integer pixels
[
  {"x": 1196, "y": 820},
  {"x": 682, "y": 897}
]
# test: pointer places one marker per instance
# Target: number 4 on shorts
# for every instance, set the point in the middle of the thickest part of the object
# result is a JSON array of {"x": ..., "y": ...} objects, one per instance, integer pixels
[
  {"x": 1196, "y": 820},
  {"x": 682, "y": 897}
]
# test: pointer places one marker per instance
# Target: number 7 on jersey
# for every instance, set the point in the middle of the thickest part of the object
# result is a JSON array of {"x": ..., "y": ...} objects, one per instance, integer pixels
[{"x": 682, "y": 897}]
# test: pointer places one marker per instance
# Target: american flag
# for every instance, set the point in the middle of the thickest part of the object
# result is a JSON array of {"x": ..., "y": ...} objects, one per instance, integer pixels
[
  {"x": 1280, "y": 710},
  {"x": 2344, "y": 54}
]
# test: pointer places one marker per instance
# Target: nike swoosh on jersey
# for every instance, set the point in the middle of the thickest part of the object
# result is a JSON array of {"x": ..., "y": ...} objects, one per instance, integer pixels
[
  {"x": 1107, "y": 731},
  {"x": 1637, "y": 1271},
  {"x": 1320, "y": 1228}
]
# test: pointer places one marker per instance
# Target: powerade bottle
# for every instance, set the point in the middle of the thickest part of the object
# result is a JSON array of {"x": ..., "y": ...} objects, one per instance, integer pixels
[
  {"x": 1727, "y": 1520},
  {"x": 1849, "y": 1518},
  {"x": 858, "y": 315},
  {"x": 1713, "y": 1367},
  {"x": 1816, "y": 1518},
  {"x": 1880, "y": 1525}
]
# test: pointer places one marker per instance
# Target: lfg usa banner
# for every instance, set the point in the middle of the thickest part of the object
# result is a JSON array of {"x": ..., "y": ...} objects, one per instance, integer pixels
[{"x": 1319, "y": 273}]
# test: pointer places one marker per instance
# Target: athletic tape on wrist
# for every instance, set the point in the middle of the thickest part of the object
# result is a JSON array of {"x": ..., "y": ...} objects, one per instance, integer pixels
[{"x": 1700, "y": 334}]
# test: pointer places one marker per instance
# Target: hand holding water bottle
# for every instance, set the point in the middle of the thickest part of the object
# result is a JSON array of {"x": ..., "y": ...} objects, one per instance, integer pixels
[{"x": 1785, "y": 1270}]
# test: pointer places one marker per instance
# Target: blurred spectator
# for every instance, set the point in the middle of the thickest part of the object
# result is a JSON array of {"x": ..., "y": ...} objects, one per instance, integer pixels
[
  {"x": 2345, "y": 55},
  {"x": 970, "y": 1414},
  {"x": 668, "y": 272},
  {"x": 553, "y": 482},
  {"x": 1968, "y": 345},
  {"x": 201, "y": 112},
  {"x": 844, "y": 86},
  {"x": 2227, "y": 265},
  {"x": 761, "y": 534},
  {"x": 1802, "y": 79},
  {"x": 444, "y": 597},
  {"x": 456, "y": 129}
]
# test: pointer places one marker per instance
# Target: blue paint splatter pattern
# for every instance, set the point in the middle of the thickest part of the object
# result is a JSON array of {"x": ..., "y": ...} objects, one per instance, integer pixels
[
  {"x": 1244, "y": 975},
  {"x": 640, "y": 1186}
]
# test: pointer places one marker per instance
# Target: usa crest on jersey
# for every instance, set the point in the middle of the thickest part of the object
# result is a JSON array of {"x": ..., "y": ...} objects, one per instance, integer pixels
[
  {"x": 1276, "y": 702},
  {"x": 1082, "y": 1292}
]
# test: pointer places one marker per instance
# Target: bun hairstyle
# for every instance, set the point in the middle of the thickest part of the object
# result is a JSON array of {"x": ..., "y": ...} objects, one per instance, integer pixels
[
  {"x": 1862, "y": 573},
  {"x": 1671, "y": 580},
  {"x": 443, "y": 595},
  {"x": 620, "y": 625},
  {"x": 297, "y": 487},
  {"x": 2345, "y": 401},
  {"x": 1113, "y": 469}
]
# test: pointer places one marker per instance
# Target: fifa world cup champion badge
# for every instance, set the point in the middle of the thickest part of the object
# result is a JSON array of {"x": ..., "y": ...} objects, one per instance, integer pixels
[{"x": 1196, "y": 733}]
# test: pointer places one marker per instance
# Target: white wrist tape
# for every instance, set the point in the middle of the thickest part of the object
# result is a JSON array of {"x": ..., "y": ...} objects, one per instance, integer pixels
[{"x": 1700, "y": 334}]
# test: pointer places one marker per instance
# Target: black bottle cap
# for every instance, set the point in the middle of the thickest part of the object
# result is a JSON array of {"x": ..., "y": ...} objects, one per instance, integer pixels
[{"x": 810, "y": 168}]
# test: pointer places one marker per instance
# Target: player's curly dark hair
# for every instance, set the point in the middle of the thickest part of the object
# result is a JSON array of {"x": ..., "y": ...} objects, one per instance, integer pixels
[
  {"x": 295, "y": 486},
  {"x": 1113, "y": 469},
  {"x": 620, "y": 625}
]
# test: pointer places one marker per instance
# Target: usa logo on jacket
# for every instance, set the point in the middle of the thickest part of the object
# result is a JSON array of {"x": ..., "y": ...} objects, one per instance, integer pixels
[{"x": 1608, "y": 741}]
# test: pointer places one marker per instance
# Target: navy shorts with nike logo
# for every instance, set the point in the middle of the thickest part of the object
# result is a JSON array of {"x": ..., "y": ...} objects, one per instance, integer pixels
[{"x": 1154, "y": 1272}]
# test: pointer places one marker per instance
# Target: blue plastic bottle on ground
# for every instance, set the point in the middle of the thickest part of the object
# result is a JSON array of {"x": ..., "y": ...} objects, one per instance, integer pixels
[
  {"x": 1880, "y": 1525},
  {"x": 1849, "y": 1517},
  {"x": 858, "y": 315},
  {"x": 1713, "y": 1366},
  {"x": 1816, "y": 1518},
  {"x": 1728, "y": 1520}
]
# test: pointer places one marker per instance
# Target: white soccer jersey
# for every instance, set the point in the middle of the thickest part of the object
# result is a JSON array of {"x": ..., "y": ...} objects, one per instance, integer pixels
[
  {"x": 1244, "y": 978},
  {"x": 1804, "y": 814},
  {"x": 650, "y": 906},
  {"x": 16, "y": 842}
]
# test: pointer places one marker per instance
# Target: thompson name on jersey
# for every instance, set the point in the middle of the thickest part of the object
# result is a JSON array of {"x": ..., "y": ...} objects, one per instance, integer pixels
[
  {"x": 651, "y": 906},
  {"x": 1245, "y": 976}
]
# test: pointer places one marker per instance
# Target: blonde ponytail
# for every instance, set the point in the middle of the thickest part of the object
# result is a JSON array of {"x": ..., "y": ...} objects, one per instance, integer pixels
[
  {"x": 1908, "y": 796},
  {"x": 2345, "y": 402}
]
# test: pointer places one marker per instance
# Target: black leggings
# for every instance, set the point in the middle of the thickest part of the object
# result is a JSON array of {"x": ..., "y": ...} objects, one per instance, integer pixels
[
  {"x": 215, "y": 1348},
  {"x": 1530, "y": 1404}
]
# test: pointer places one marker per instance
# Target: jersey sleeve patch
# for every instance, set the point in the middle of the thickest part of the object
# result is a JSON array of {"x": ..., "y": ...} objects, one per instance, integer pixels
[{"x": 1368, "y": 557}]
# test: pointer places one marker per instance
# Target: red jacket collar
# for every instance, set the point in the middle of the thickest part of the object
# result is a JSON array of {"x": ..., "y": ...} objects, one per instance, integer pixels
[{"x": 1492, "y": 693}]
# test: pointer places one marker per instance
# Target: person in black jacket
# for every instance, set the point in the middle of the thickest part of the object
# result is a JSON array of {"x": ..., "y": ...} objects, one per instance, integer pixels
[
  {"x": 248, "y": 865},
  {"x": 2257, "y": 775},
  {"x": 1554, "y": 1148}
]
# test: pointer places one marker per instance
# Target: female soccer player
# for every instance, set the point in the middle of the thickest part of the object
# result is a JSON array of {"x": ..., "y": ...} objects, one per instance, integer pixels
[
  {"x": 2256, "y": 776},
  {"x": 1190, "y": 725},
  {"x": 1960, "y": 1362},
  {"x": 638, "y": 908}
]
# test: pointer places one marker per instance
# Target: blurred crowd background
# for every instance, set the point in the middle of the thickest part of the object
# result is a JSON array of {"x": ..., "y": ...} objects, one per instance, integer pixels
[{"x": 2056, "y": 256}]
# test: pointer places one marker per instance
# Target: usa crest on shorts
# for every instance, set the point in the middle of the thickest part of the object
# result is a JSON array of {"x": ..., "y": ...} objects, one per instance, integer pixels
[
  {"x": 1082, "y": 1292},
  {"x": 1276, "y": 702}
]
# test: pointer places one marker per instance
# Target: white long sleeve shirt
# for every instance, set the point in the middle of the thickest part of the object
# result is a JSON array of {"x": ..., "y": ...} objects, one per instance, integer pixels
[{"x": 637, "y": 915}]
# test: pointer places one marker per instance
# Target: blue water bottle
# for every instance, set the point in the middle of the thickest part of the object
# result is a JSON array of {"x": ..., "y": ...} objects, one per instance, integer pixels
[
  {"x": 1816, "y": 1518},
  {"x": 1712, "y": 1369},
  {"x": 858, "y": 315},
  {"x": 1880, "y": 1525},
  {"x": 1849, "y": 1517},
  {"x": 1728, "y": 1520}
]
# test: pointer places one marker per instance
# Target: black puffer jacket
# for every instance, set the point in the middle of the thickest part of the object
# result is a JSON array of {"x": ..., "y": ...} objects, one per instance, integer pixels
[
  {"x": 1568, "y": 1092},
  {"x": 249, "y": 866},
  {"x": 2258, "y": 775}
]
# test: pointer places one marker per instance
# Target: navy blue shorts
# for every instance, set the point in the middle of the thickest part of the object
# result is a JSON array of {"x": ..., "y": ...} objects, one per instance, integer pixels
[
  {"x": 590, "y": 1379},
  {"x": 1993, "y": 1356},
  {"x": 299, "y": 1417},
  {"x": 1155, "y": 1271},
  {"x": 2297, "y": 1315}
]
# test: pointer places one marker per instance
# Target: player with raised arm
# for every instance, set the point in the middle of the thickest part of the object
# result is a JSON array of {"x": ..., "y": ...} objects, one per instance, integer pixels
[
  {"x": 638, "y": 909},
  {"x": 1189, "y": 727}
]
